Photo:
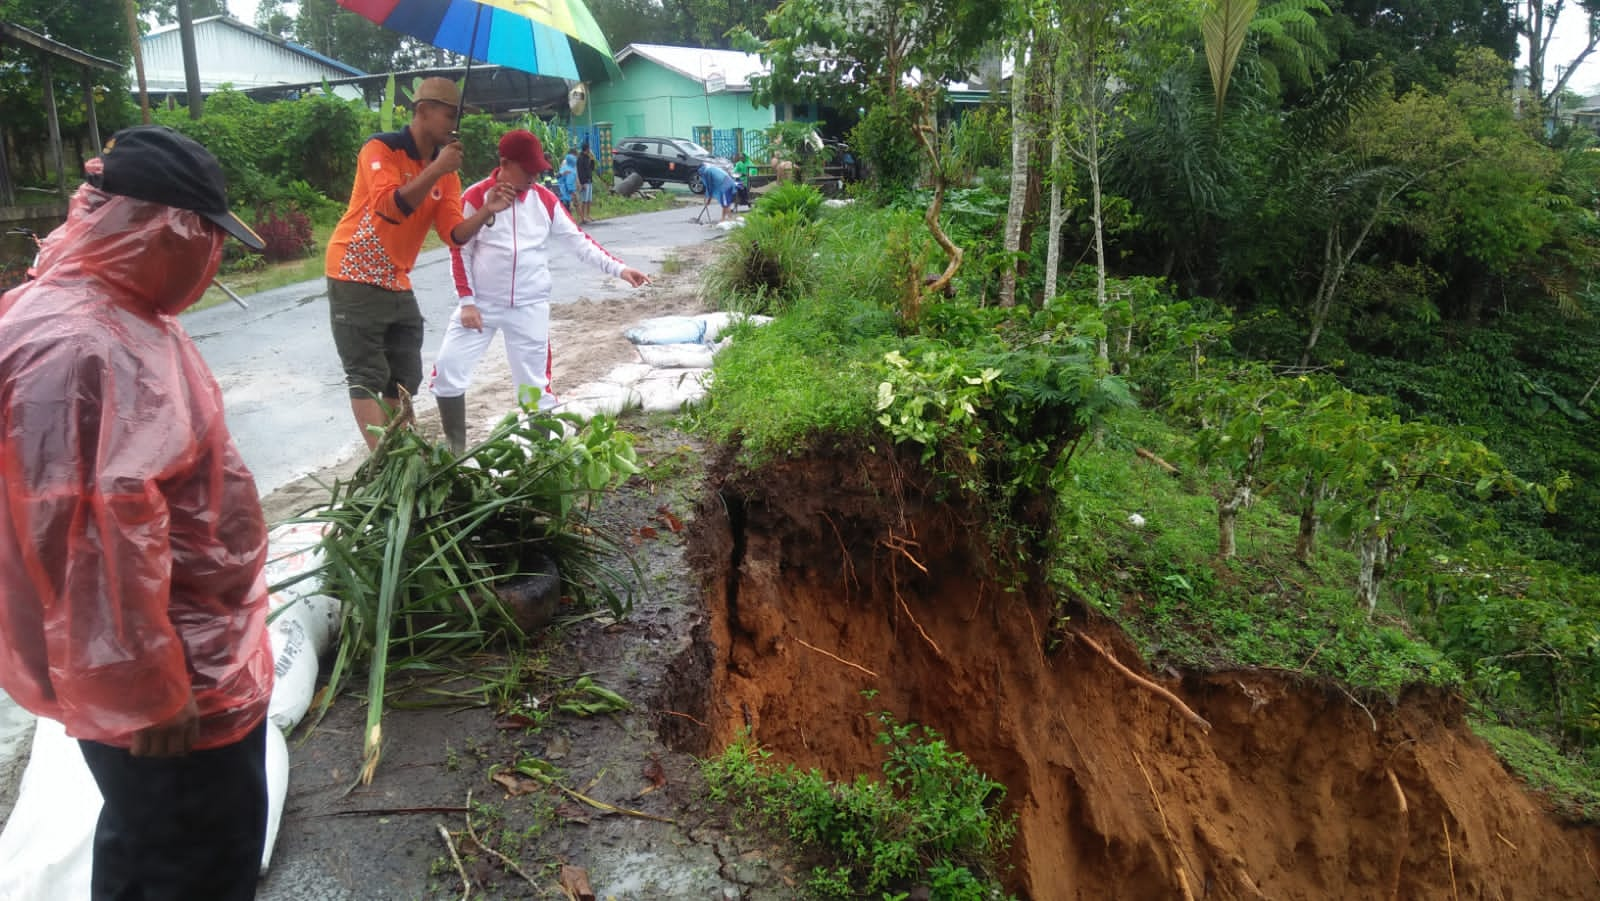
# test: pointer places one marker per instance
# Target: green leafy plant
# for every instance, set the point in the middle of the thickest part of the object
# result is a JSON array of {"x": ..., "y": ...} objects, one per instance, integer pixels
[
  {"x": 418, "y": 537},
  {"x": 790, "y": 198},
  {"x": 932, "y": 820},
  {"x": 767, "y": 263}
]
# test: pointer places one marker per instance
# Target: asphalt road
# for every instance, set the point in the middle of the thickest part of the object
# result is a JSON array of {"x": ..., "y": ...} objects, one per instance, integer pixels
[{"x": 283, "y": 388}]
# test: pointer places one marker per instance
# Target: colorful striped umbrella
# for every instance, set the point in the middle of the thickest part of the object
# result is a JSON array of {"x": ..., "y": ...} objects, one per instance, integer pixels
[{"x": 557, "y": 38}]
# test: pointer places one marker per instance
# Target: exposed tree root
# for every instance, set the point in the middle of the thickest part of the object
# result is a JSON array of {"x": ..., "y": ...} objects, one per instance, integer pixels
[
  {"x": 1172, "y": 699},
  {"x": 1449, "y": 857},
  {"x": 450, "y": 843},
  {"x": 1405, "y": 832},
  {"x": 505, "y": 861},
  {"x": 924, "y": 632},
  {"x": 1178, "y": 864},
  {"x": 858, "y": 666}
]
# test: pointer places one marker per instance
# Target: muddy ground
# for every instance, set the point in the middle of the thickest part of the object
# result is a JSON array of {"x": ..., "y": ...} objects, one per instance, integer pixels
[
  {"x": 383, "y": 841},
  {"x": 773, "y": 601}
]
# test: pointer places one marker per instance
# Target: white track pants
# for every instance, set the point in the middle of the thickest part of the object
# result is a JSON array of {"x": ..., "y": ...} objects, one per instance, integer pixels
[{"x": 527, "y": 331}]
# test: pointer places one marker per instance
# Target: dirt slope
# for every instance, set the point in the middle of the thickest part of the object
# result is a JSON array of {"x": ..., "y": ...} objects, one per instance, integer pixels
[{"x": 819, "y": 571}]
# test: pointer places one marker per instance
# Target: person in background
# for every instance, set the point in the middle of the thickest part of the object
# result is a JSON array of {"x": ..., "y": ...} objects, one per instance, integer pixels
[
  {"x": 503, "y": 280},
  {"x": 406, "y": 181},
  {"x": 745, "y": 171},
  {"x": 720, "y": 186},
  {"x": 567, "y": 178},
  {"x": 585, "y": 196},
  {"x": 132, "y": 605}
]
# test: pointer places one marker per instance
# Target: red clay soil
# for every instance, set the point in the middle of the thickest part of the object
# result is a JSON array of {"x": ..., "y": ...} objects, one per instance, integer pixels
[{"x": 827, "y": 577}]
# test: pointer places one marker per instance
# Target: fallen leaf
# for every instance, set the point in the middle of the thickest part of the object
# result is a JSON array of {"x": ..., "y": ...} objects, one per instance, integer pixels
[
  {"x": 655, "y": 774},
  {"x": 672, "y": 521},
  {"x": 515, "y": 721},
  {"x": 572, "y": 813},
  {"x": 576, "y": 881},
  {"x": 647, "y": 533},
  {"x": 516, "y": 785}
]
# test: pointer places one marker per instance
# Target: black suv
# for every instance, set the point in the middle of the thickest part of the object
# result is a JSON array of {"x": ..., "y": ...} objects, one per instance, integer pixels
[{"x": 660, "y": 160}]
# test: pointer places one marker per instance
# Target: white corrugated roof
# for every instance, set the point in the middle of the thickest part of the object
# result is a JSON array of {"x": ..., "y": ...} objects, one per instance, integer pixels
[{"x": 696, "y": 63}]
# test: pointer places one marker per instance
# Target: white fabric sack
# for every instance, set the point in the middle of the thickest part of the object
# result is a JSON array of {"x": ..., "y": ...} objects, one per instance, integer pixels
[
  {"x": 600, "y": 398},
  {"x": 667, "y": 330},
  {"x": 672, "y": 389},
  {"x": 676, "y": 356},
  {"x": 294, "y": 663},
  {"x": 717, "y": 323},
  {"x": 47, "y": 847},
  {"x": 626, "y": 374},
  {"x": 294, "y": 549},
  {"x": 277, "y": 790}
]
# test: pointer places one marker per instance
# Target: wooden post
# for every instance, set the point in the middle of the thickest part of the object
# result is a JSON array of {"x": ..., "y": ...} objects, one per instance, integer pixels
[
  {"x": 55, "y": 122},
  {"x": 89, "y": 111},
  {"x": 8, "y": 194},
  {"x": 138, "y": 60},
  {"x": 191, "y": 59}
]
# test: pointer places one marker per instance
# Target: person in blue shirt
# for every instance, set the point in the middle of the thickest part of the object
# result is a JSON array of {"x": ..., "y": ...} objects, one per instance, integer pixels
[
  {"x": 720, "y": 186},
  {"x": 567, "y": 178}
]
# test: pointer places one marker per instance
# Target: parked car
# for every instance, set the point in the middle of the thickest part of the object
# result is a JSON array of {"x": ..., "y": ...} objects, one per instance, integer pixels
[{"x": 660, "y": 160}]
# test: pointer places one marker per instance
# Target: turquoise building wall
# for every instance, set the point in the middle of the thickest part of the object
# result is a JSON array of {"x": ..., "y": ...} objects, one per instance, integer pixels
[{"x": 654, "y": 100}]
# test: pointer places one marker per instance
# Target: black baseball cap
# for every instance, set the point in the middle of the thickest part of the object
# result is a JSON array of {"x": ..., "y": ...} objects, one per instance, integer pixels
[{"x": 155, "y": 163}]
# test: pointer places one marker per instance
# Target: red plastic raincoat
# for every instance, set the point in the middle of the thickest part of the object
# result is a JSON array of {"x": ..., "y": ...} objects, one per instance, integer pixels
[{"x": 131, "y": 537}]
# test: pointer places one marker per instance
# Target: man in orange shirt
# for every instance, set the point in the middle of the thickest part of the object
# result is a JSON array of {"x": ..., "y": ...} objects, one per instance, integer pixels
[{"x": 406, "y": 181}]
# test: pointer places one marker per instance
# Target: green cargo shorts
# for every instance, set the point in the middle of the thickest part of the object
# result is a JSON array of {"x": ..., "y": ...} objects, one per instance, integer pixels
[{"x": 378, "y": 333}]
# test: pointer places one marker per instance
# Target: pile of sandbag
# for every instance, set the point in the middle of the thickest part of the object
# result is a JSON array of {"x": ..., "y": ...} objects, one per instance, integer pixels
[
  {"x": 47, "y": 845},
  {"x": 674, "y": 368}
]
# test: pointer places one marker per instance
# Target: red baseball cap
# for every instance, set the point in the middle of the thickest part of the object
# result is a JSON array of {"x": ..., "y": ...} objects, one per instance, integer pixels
[{"x": 522, "y": 147}]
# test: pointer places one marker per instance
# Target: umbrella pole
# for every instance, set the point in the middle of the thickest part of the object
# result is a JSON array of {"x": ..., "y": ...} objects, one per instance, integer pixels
[{"x": 461, "y": 105}]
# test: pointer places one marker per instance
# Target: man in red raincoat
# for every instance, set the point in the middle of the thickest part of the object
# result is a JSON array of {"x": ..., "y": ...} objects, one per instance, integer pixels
[{"x": 132, "y": 604}]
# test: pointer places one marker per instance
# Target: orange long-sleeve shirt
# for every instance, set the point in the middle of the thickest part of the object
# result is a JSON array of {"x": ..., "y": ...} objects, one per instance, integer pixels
[{"x": 377, "y": 241}]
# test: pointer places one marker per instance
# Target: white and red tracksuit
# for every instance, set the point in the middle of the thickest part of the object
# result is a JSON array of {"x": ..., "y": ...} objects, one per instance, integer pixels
[{"x": 504, "y": 271}]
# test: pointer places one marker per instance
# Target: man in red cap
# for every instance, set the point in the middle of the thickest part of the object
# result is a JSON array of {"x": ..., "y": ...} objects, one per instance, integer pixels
[
  {"x": 406, "y": 181},
  {"x": 132, "y": 605},
  {"x": 503, "y": 280}
]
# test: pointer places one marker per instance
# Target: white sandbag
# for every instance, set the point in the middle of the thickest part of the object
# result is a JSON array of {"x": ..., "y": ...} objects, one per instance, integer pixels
[
  {"x": 324, "y": 617},
  {"x": 717, "y": 323},
  {"x": 277, "y": 790},
  {"x": 672, "y": 389},
  {"x": 294, "y": 549},
  {"x": 626, "y": 374},
  {"x": 294, "y": 665},
  {"x": 601, "y": 398},
  {"x": 676, "y": 356},
  {"x": 47, "y": 846},
  {"x": 667, "y": 330}
]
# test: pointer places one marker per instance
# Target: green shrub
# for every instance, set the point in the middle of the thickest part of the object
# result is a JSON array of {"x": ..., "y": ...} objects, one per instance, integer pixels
[
  {"x": 765, "y": 265},
  {"x": 790, "y": 197},
  {"x": 887, "y": 140},
  {"x": 932, "y": 820}
]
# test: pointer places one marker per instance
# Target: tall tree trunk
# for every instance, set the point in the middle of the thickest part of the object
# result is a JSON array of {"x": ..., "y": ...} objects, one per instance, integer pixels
[
  {"x": 1021, "y": 145},
  {"x": 1058, "y": 212},
  {"x": 1305, "y": 542},
  {"x": 1102, "y": 347},
  {"x": 1228, "y": 509}
]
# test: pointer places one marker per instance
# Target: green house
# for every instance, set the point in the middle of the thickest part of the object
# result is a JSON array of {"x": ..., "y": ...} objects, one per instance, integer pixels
[{"x": 685, "y": 92}]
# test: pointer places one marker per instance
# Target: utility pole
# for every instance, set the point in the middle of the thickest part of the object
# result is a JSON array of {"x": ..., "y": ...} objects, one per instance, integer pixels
[
  {"x": 138, "y": 58},
  {"x": 191, "y": 62}
]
